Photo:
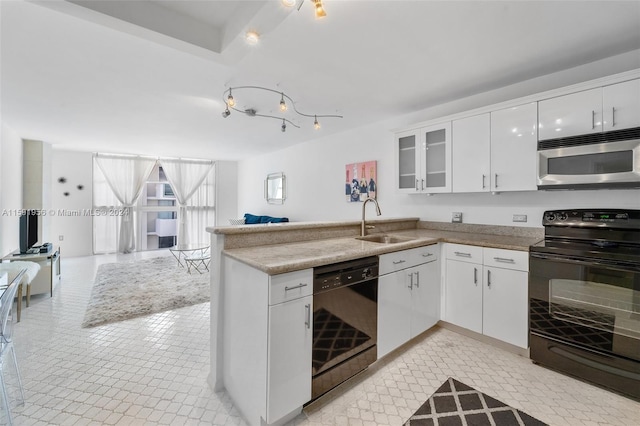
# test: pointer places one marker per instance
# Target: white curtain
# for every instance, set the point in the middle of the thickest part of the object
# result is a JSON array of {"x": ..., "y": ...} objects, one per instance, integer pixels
[
  {"x": 185, "y": 177},
  {"x": 126, "y": 176}
]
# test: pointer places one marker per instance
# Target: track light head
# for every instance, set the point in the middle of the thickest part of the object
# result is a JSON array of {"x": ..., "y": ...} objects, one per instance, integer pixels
[
  {"x": 284, "y": 126},
  {"x": 230, "y": 101},
  {"x": 316, "y": 125},
  {"x": 226, "y": 113},
  {"x": 320, "y": 13},
  {"x": 283, "y": 104}
]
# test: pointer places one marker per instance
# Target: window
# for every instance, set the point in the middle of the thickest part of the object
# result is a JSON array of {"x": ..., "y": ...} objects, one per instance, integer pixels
[{"x": 155, "y": 215}]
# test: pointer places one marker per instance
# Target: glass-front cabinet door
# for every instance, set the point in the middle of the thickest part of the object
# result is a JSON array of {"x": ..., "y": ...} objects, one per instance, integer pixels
[
  {"x": 436, "y": 158},
  {"x": 407, "y": 161},
  {"x": 423, "y": 160}
]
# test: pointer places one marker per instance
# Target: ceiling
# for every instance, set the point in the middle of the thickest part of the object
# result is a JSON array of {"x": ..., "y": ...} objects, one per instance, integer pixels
[{"x": 147, "y": 77}]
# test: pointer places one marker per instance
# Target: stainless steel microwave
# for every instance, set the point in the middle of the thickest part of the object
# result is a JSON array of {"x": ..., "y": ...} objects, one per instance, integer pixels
[{"x": 588, "y": 164}]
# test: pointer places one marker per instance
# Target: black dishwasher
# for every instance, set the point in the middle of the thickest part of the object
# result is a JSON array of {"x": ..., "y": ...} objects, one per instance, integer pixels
[{"x": 345, "y": 321}]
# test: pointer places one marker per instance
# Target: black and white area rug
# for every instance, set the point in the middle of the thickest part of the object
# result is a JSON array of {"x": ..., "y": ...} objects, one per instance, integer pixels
[
  {"x": 127, "y": 290},
  {"x": 456, "y": 404}
]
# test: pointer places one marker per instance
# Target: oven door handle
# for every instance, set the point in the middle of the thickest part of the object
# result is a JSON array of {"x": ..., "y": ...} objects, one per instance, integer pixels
[
  {"x": 623, "y": 266},
  {"x": 593, "y": 364}
]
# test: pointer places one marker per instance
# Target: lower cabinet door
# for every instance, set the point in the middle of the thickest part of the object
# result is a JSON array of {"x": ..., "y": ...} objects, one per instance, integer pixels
[
  {"x": 425, "y": 297},
  {"x": 394, "y": 311},
  {"x": 289, "y": 357},
  {"x": 505, "y": 306},
  {"x": 463, "y": 298}
]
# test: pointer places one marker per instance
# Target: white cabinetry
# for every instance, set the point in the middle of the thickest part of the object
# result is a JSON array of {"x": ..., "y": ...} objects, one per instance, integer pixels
[
  {"x": 486, "y": 292},
  {"x": 463, "y": 288},
  {"x": 612, "y": 107},
  {"x": 621, "y": 105},
  {"x": 267, "y": 341},
  {"x": 471, "y": 153},
  {"x": 408, "y": 296},
  {"x": 514, "y": 137},
  {"x": 423, "y": 159},
  {"x": 289, "y": 362}
]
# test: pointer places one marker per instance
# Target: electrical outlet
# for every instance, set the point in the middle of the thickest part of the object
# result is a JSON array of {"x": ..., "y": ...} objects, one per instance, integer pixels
[
  {"x": 456, "y": 217},
  {"x": 60, "y": 237},
  {"x": 519, "y": 217}
]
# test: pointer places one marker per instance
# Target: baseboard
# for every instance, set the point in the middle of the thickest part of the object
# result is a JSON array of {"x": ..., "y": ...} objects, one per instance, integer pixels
[{"x": 485, "y": 339}]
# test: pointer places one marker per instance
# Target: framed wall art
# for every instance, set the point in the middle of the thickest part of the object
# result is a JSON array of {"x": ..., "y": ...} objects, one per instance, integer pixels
[{"x": 361, "y": 181}]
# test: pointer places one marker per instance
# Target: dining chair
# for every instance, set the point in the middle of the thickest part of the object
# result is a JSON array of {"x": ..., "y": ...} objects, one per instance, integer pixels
[{"x": 6, "y": 341}]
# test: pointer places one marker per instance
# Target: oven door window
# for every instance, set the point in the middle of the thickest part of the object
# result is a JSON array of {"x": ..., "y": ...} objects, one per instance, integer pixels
[
  {"x": 591, "y": 164},
  {"x": 593, "y": 306}
]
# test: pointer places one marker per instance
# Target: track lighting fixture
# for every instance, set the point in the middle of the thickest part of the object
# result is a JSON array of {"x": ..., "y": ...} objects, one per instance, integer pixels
[
  {"x": 289, "y": 3},
  {"x": 285, "y": 102}
]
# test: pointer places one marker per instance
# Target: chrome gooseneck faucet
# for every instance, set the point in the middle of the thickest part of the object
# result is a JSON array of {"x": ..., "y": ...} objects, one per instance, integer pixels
[{"x": 378, "y": 212}]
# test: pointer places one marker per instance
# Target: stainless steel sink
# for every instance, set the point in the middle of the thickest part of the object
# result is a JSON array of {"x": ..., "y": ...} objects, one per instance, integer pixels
[{"x": 384, "y": 239}]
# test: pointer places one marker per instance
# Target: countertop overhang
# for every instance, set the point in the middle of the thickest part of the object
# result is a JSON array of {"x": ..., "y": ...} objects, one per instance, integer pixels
[{"x": 287, "y": 257}]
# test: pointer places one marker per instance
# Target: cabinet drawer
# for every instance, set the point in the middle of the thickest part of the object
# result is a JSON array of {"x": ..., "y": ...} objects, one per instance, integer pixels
[
  {"x": 464, "y": 253},
  {"x": 507, "y": 259},
  {"x": 404, "y": 259},
  {"x": 290, "y": 286}
]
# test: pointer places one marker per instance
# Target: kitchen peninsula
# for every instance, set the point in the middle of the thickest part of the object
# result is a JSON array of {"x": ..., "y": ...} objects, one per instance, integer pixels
[{"x": 254, "y": 267}]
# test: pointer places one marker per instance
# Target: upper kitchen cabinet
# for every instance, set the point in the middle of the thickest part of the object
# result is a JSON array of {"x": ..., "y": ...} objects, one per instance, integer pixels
[
  {"x": 612, "y": 107},
  {"x": 514, "y": 137},
  {"x": 575, "y": 114},
  {"x": 407, "y": 161},
  {"x": 471, "y": 153},
  {"x": 423, "y": 159},
  {"x": 621, "y": 105}
]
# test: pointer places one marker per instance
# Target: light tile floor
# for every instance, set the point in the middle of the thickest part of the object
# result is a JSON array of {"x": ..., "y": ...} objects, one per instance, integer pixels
[{"x": 153, "y": 369}]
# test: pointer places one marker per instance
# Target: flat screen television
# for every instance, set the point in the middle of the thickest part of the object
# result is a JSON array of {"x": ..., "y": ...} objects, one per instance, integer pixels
[{"x": 28, "y": 230}]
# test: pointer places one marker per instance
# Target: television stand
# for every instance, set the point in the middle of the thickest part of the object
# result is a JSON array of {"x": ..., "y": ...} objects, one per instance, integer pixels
[{"x": 49, "y": 269}]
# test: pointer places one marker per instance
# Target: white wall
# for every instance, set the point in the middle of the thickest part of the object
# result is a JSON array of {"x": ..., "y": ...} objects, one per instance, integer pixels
[
  {"x": 226, "y": 192},
  {"x": 76, "y": 231},
  {"x": 315, "y": 170},
  {"x": 10, "y": 189}
]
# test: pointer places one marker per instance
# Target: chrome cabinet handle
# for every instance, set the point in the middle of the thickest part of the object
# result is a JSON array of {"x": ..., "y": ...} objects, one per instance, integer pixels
[
  {"x": 417, "y": 189},
  {"x": 489, "y": 278},
  {"x": 613, "y": 117},
  {"x": 593, "y": 119},
  {"x": 483, "y": 179},
  {"x": 422, "y": 184},
  {"x": 411, "y": 281},
  {"x": 461, "y": 254},
  {"x": 398, "y": 262},
  {"x": 418, "y": 279},
  {"x": 495, "y": 181},
  {"x": 295, "y": 287},
  {"x": 307, "y": 322},
  {"x": 475, "y": 276},
  {"x": 504, "y": 260},
  {"x": 427, "y": 254}
]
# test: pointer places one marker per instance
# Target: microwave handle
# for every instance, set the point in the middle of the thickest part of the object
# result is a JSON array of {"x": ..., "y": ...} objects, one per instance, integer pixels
[{"x": 593, "y": 119}]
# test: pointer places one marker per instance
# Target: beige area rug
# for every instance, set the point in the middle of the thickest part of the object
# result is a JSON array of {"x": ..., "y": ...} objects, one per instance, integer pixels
[{"x": 131, "y": 289}]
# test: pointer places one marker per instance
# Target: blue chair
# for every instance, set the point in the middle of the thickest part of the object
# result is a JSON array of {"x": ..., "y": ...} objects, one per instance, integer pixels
[{"x": 6, "y": 342}]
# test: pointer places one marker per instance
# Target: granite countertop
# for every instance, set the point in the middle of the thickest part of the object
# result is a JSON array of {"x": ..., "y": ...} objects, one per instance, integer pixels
[{"x": 281, "y": 258}]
